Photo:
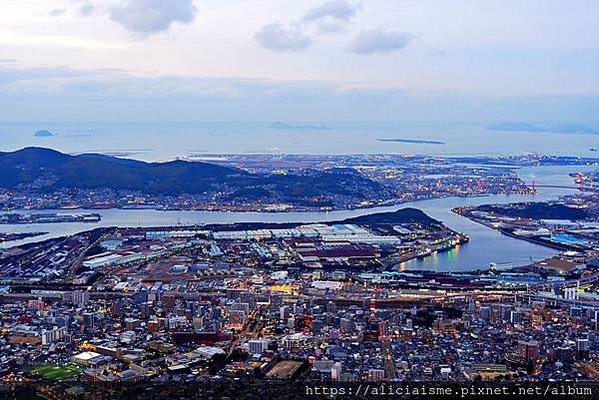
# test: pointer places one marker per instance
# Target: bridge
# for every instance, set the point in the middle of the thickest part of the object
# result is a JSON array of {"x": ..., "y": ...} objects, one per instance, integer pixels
[{"x": 583, "y": 187}]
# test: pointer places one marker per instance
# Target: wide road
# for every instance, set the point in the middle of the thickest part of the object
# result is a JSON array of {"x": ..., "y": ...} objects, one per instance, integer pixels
[{"x": 389, "y": 363}]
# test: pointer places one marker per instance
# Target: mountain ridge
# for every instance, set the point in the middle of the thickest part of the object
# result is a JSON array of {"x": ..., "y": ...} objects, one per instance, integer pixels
[{"x": 45, "y": 170}]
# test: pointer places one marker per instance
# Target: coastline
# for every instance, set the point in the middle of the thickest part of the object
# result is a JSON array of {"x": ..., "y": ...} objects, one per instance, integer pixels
[
  {"x": 472, "y": 256},
  {"x": 227, "y": 209},
  {"x": 508, "y": 232}
]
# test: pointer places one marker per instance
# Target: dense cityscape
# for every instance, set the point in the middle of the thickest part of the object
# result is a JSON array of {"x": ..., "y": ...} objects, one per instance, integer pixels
[
  {"x": 307, "y": 199},
  {"x": 320, "y": 302},
  {"x": 259, "y": 182}
]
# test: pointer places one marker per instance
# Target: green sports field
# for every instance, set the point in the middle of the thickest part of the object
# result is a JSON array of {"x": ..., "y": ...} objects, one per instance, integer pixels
[{"x": 56, "y": 373}]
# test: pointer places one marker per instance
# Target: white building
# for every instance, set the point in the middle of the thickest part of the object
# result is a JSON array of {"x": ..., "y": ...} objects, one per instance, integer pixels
[
  {"x": 376, "y": 375},
  {"x": 53, "y": 335},
  {"x": 571, "y": 293},
  {"x": 258, "y": 346}
]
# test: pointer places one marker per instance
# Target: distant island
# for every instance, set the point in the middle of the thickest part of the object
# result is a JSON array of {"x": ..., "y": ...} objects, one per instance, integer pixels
[
  {"x": 528, "y": 127},
  {"x": 43, "y": 133},
  {"x": 413, "y": 141},
  {"x": 284, "y": 126}
]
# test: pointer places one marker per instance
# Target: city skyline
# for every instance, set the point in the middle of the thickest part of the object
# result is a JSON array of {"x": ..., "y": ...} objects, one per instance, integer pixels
[{"x": 315, "y": 199}]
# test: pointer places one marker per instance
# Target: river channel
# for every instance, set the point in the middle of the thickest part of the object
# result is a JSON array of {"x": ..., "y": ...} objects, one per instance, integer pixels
[{"x": 485, "y": 246}]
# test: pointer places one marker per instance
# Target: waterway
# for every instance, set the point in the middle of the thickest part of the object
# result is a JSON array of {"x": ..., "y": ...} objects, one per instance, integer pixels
[
  {"x": 155, "y": 141},
  {"x": 485, "y": 246}
]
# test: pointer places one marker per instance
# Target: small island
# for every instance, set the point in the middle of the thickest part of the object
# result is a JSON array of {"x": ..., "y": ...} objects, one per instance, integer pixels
[
  {"x": 413, "y": 141},
  {"x": 43, "y": 133},
  {"x": 284, "y": 126}
]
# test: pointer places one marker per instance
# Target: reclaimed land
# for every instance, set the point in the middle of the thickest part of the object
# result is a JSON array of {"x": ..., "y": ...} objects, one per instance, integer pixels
[
  {"x": 535, "y": 211},
  {"x": 401, "y": 216}
]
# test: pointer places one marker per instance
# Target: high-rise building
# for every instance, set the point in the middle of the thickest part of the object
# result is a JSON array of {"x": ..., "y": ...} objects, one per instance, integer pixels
[
  {"x": 53, "y": 335},
  {"x": 80, "y": 297},
  {"x": 528, "y": 351},
  {"x": 37, "y": 304},
  {"x": 284, "y": 313},
  {"x": 571, "y": 293},
  {"x": 140, "y": 297},
  {"x": 485, "y": 313},
  {"x": 153, "y": 326},
  {"x": 376, "y": 375},
  {"x": 563, "y": 354},
  {"x": 576, "y": 311},
  {"x": 583, "y": 346},
  {"x": 258, "y": 346},
  {"x": 116, "y": 308},
  {"x": 516, "y": 317},
  {"x": 383, "y": 330},
  {"x": 331, "y": 307},
  {"x": 90, "y": 320},
  {"x": 336, "y": 371},
  {"x": 132, "y": 323},
  {"x": 317, "y": 326}
]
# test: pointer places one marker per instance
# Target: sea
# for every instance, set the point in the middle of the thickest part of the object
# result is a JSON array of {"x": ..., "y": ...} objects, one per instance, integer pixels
[
  {"x": 152, "y": 141},
  {"x": 167, "y": 141}
]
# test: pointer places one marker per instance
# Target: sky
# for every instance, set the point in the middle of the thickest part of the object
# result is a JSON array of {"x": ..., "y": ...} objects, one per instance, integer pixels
[{"x": 300, "y": 60}]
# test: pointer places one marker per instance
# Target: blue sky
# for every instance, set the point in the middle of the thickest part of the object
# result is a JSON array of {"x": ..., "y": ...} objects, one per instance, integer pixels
[{"x": 301, "y": 60}]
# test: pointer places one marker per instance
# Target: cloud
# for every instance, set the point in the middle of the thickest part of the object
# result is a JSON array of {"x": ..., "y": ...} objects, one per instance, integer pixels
[
  {"x": 328, "y": 27},
  {"x": 87, "y": 9},
  {"x": 58, "y": 12},
  {"x": 64, "y": 94},
  {"x": 151, "y": 16},
  {"x": 330, "y": 17},
  {"x": 380, "y": 41},
  {"x": 335, "y": 9},
  {"x": 279, "y": 37},
  {"x": 101, "y": 83}
]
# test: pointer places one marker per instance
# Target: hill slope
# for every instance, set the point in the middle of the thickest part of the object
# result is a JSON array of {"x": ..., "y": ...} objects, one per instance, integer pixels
[{"x": 45, "y": 170}]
